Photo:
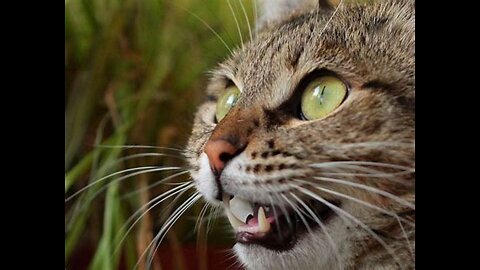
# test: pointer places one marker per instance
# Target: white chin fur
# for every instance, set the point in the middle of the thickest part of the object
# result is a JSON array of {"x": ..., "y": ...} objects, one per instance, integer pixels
[{"x": 312, "y": 251}]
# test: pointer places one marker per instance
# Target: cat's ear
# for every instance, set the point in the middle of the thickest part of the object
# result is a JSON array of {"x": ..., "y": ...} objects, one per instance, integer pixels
[{"x": 275, "y": 11}]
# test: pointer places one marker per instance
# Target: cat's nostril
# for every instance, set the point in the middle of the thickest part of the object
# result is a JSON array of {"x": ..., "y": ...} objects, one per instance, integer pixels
[
  {"x": 225, "y": 157},
  {"x": 219, "y": 152}
]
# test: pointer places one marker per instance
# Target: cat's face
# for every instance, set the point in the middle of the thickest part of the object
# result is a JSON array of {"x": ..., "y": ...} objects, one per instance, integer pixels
[{"x": 307, "y": 187}]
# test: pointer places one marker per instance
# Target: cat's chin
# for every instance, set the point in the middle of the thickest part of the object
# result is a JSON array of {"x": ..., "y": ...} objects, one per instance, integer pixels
[{"x": 310, "y": 251}]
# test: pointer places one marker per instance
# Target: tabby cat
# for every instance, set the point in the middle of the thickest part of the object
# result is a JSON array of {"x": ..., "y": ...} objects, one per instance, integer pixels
[{"x": 307, "y": 137}]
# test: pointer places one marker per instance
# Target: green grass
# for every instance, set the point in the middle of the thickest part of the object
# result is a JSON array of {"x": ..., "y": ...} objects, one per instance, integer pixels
[{"x": 135, "y": 71}]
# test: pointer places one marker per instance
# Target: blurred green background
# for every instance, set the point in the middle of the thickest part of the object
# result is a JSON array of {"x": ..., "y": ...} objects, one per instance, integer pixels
[{"x": 134, "y": 72}]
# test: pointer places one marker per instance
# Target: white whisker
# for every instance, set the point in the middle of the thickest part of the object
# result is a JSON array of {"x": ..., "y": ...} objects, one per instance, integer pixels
[
  {"x": 366, "y": 163},
  {"x": 207, "y": 25},
  {"x": 255, "y": 12},
  {"x": 155, "y": 201},
  {"x": 375, "y": 144},
  {"x": 171, "y": 221},
  {"x": 284, "y": 212},
  {"x": 129, "y": 157},
  {"x": 406, "y": 238},
  {"x": 246, "y": 18},
  {"x": 368, "y": 188},
  {"x": 213, "y": 217},
  {"x": 295, "y": 208},
  {"x": 200, "y": 217},
  {"x": 331, "y": 17},
  {"x": 375, "y": 175},
  {"x": 236, "y": 21},
  {"x": 340, "y": 211},
  {"x": 156, "y": 183},
  {"x": 135, "y": 146},
  {"x": 276, "y": 217},
  {"x": 155, "y": 169},
  {"x": 358, "y": 201},
  {"x": 106, "y": 177},
  {"x": 322, "y": 226}
]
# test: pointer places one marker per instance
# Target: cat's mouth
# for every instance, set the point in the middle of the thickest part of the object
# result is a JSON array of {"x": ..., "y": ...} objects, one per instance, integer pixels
[{"x": 276, "y": 228}]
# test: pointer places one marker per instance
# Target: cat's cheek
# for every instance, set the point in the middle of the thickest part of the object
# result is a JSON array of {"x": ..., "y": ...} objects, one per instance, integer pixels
[
  {"x": 205, "y": 180},
  {"x": 207, "y": 114}
]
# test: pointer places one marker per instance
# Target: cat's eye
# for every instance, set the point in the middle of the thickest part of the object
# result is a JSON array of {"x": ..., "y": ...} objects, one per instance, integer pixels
[
  {"x": 226, "y": 102},
  {"x": 322, "y": 96}
]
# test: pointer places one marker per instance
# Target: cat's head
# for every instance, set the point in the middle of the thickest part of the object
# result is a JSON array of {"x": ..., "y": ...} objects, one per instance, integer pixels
[{"x": 306, "y": 137}]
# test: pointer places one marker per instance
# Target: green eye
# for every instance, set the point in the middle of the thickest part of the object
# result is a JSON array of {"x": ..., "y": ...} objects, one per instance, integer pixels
[
  {"x": 226, "y": 102},
  {"x": 322, "y": 96}
]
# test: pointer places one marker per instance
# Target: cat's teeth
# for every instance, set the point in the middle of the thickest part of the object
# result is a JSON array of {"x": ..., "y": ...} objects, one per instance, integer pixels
[
  {"x": 234, "y": 221},
  {"x": 263, "y": 224},
  {"x": 241, "y": 209},
  {"x": 238, "y": 210}
]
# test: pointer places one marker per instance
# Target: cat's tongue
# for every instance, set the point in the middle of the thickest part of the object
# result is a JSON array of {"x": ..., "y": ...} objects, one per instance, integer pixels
[{"x": 248, "y": 218}]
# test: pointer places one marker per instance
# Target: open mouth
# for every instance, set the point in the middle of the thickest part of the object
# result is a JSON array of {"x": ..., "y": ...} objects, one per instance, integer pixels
[{"x": 274, "y": 227}]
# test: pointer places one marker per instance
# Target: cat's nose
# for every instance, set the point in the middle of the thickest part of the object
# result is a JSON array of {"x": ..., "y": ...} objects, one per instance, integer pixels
[{"x": 219, "y": 152}]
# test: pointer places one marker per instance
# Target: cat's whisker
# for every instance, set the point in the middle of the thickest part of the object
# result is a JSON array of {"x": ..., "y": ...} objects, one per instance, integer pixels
[
  {"x": 246, "y": 19},
  {"x": 200, "y": 217},
  {"x": 272, "y": 191},
  {"x": 375, "y": 175},
  {"x": 213, "y": 217},
  {"x": 185, "y": 208},
  {"x": 372, "y": 144},
  {"x": 105, "y": 178},
  {"x": 212, "y": 214},
  {"x": 156, "y": 183},
  {"x": 202, "y": 236},
  {"x": 207, "y": 216},
  {"x": 235, "y": 264},
  {"x": 207, "y": 25},
  {"x": 340, "y": 211},
  {"x": 356, "y": 170},
  {"x": 342, "y": 195},
  {"x": 282, "y": 207},
  {"x": 322, "y": 226},
  {"x": 299, "y": 214},
  {"x": 116, "y": 180},
  {"x": 370, "y": 170},
  {"x": 275, "y": 215},
  {"x": 364, "y": 163},
  {"x": 331, "y": 17},
  {"x": 284, "y": 211},
  {"x": 368, "y": 188},
  {"x": 405, "y": 235},
  {"x": 137, "y": 146},
  {"x": 134, "y": 156},
  {"x": 151, "y": 204},
  {"x": 364, "y": 169},
  {"x": 236, "y": 21},
  {"x": 255, "y": 12},
  {"x": 228, "y": 254},
  {"x": 103, "y": 188},
  {"x": 162, "y": 197},
  {"x": 166, "y": 227}
]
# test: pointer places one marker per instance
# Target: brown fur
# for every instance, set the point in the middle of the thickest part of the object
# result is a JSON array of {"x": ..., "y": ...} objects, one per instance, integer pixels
[{"x": 372, "y": 48}]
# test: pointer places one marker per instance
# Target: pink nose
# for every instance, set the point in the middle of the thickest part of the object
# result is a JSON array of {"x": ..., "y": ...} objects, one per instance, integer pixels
[{"x": 219, "y": 152}]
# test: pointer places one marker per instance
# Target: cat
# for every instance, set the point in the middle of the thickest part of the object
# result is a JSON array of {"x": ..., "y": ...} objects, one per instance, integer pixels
[{"x": 307, "y": 137}]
